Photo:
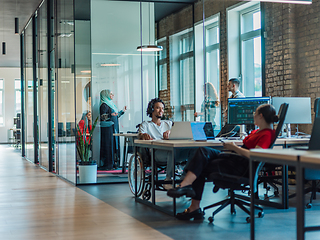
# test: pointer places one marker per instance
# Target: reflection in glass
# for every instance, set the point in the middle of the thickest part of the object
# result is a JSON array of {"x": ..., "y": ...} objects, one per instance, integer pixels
[
  {"x": 118, "y": 67},
  {"x": 29, "y": 94},
  {"x": 65, "y": 91},
  {"x": 43, "y": 86}
]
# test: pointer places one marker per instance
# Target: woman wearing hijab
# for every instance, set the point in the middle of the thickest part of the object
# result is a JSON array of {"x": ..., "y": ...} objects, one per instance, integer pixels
[{"x": 109, "y": 115}]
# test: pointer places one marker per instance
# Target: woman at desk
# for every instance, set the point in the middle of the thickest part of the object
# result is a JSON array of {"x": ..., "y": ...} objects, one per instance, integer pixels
[
  {"x": 207, "y": 161},
  {"x": 109, "y": 115}
]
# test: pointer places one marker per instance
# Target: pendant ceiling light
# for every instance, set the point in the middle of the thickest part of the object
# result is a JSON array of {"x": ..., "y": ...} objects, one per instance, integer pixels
[
  {"x": 16, "y": 22},
  {"x": 3, "y": 43},
  {"x": 149, "y": 47},
  {"x": 16, "y": 25}
]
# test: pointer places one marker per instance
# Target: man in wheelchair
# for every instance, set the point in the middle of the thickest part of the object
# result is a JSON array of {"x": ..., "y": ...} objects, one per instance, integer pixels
[{"x": 157, "y": 129}]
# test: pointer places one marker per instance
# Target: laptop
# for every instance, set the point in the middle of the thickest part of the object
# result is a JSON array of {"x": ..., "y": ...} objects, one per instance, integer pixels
[
  {"x": 314, "y": 143},
  {"x": 198, "y": 131},
  {"x": 181, "y": 131}
]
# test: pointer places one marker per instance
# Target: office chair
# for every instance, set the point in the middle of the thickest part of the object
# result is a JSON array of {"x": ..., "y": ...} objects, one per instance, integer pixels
[
  {"x": 232, "y": 182},
  {"x": 312, "y": 174}
]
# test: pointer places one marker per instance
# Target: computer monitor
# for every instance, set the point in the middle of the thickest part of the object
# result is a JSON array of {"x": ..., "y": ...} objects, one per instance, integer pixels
[
  {"x": 240, "y": 110},
  {"x": 299, "y": 111}
]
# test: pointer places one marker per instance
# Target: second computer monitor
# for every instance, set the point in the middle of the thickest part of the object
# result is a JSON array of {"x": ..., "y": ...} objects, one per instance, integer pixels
[
  {"x": 240, "y": 110},
  {"x": 299, "y": 111}
]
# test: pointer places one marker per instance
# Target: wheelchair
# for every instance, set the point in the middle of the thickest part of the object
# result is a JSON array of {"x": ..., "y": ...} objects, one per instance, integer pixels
[{"x": 144, "y": 174}]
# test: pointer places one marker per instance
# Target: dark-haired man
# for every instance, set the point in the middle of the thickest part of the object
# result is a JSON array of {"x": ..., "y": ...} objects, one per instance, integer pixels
[
  {"x": 233, "y": 87},
  {"x": 157, "y": 129}
]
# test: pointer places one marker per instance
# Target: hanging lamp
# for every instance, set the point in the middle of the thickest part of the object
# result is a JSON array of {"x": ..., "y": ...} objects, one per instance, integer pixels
[{"x": 149, "y": 47}]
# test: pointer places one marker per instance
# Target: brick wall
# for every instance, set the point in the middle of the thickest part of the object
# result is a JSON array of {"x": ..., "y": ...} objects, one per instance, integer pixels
[{"x": 292, "y": 47}]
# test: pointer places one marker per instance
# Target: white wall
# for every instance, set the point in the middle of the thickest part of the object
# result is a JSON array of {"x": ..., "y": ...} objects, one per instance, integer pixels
[{"x": 8, "y": 74}]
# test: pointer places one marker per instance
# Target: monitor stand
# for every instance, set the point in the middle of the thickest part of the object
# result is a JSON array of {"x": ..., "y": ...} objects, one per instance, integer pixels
[
  {"x": 288, "y": 130},
  {"x": 243, "y": 132}
]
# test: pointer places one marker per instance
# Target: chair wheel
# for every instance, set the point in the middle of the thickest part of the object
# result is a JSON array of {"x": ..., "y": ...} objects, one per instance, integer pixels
[
  {"x": 248, "y": 219},
  {"x": 276, "y": 194},
  {"x": 260, "y": 214},
  {"x": 146, "y": 195},
  {"x": 210, "y": 219},
  {"x": 234, "y": 212},
  {"x": 309, "y": 205}
]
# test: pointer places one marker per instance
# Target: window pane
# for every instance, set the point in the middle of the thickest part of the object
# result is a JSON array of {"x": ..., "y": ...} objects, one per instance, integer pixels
[
  {"x": 17, "y": 84},
  {"x": 212, "y": 35},
  {"x": 251, "y": 67},
  {"x": 18, "y": 101},
  {"x": 1, "y": 83},
  {"x": 1, "y": 120},
  {"x": 163, "y": 76},
  {"x": 251, "y": 21},
  {"x": 1, "y": 103}
]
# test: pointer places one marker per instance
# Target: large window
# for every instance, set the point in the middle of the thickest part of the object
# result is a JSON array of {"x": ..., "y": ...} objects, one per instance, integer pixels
[
  {"x": 182, "y": 75},
  {"x": 17, "y": 93},
  {"x": 251, "y": 51},
  {"x": 162, "y": 62},
  {"x": 1, "y": 102},
  {"x": 186, "y": 75},
  {"x": 244, "y": 47}
]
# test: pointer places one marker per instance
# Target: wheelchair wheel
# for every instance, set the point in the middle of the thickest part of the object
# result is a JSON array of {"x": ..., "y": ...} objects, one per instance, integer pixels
[{"x": 140, "y": 175}]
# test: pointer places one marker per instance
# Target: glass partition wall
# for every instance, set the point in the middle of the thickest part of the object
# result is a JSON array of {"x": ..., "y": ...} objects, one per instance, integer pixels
[
  {"x": 29, "y": 105},
  {"x": 95, "y": 64},
  {"x": 120, "y": 73}
]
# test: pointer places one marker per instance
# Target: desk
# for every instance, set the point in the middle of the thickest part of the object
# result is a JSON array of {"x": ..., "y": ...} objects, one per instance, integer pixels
[
  {"x": 286, "y": 157},
  {"x": 284, "y": 143},
  {"x": 172, "y": 145},
  {"x": 128, "y": 137},
  {"x": 308, "y": 159},
  {"x": 169, "y": 145}
]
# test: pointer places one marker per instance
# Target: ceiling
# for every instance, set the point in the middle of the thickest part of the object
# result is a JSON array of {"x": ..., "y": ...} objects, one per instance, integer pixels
[{"x": 23, "y": 9}]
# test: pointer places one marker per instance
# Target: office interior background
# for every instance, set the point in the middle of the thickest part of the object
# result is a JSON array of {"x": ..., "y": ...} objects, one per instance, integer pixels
[{"x": 70, "y": 50}]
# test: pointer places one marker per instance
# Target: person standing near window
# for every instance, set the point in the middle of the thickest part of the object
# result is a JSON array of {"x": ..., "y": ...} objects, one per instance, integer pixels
[
  {"x": 209, "y": 105},
  {"x": 109, "y": 115},
  {"x": 233, "y": 87}
]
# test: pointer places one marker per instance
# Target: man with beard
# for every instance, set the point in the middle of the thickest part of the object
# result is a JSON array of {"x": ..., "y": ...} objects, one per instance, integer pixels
[{"x": 158, "y": 129}]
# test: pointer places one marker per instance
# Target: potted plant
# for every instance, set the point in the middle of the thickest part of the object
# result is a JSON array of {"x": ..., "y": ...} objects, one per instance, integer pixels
[{"x": 87, "y": 166}]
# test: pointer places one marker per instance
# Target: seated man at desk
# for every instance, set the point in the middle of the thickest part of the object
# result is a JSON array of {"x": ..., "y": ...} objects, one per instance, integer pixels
[
  {"x": 157, "y": 129},
  {"x": 207, "y": 161}
]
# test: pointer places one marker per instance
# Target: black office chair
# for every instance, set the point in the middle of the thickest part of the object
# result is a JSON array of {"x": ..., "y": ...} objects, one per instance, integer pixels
[
  {"x": 313, "y": 175},
  {"x": 233, "y": 183}
]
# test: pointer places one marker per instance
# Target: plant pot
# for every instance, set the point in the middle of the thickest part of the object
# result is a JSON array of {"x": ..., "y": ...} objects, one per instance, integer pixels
[{"x": 88, "y": 173}]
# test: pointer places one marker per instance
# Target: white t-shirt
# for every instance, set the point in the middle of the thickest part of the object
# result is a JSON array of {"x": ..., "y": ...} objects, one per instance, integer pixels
[{"x": 155, "y": 131}]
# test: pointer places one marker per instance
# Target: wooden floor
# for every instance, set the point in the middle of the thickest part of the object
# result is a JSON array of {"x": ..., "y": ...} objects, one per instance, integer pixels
[{"x": 35, "y": 204}]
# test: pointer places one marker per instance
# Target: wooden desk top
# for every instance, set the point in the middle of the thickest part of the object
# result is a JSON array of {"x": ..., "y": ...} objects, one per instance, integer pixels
[
  {"x": 185, "y": 143},
  {"x": 125, "y": 134},
  {"x": 312, "y": 157},
  {"x": 283, "y": 154},
  {"x": 295, "y": 140}
]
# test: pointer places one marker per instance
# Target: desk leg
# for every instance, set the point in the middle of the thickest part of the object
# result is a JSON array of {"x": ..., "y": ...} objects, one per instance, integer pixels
[
  {"x": 135, "y": 172},
  {"x": 252, "y": 173},
  {"x": 174, "y": 181},
  {"x": 285, "y": 189},
  {"x": 124, "y": 158},
  {"x": 300, "y": 201},
  {"x": 153, "y": 171}
]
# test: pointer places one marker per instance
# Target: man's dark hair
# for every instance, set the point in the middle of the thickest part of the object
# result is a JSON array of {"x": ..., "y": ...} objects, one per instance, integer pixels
[
  {"x": 151, "y": 104},
  {"x": 235, "y": 81}
]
